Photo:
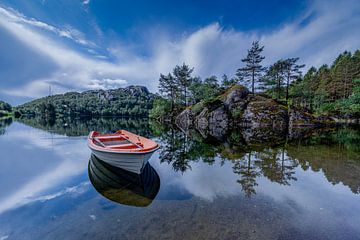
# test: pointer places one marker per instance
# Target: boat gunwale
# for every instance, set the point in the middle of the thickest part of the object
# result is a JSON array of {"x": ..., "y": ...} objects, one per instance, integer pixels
[{"x": 143, "y": 151}]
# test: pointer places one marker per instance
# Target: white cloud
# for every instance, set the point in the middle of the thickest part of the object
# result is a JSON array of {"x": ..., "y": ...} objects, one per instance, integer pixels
[
  {"x": 68, "y": 32},
  {"x": 86, "y": 2},
  {"x": 325, "y": 30},
  {"x": 71, "y": 160}
]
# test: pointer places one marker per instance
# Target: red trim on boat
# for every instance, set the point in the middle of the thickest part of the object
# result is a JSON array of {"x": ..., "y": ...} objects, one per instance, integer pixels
[{"x": 125, "y": 142}]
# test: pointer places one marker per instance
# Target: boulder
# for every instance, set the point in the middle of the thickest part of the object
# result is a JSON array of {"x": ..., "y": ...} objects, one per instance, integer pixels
[
  {"x": 185, "y": 119},
  {"x": 298, "y": 118},
  {"x": 263, "y": 112},
  {"x": 218, "y": 122},
  {"x": 202, "y": 122},
  {"x": 235, "y": 95},
  {"x": 257, "y": 117}
]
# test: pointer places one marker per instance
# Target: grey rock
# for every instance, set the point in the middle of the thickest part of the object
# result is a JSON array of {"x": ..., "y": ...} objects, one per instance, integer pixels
[
  {"x": 264, "y": 112},
  {"x": 235, "y": 96},
  {"x": 185, "y": 119},
  {"x": 202, "y": 122},
  {"x": 218, "y": 122}
]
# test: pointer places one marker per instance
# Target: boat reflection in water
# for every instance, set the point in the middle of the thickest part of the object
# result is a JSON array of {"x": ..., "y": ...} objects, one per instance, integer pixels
[{"x": 122, "y": 186}]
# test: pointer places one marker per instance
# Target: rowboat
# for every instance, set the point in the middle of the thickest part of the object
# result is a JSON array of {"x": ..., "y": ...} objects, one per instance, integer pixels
[
  {"x": 122, "y": 149},
  {"x": 124, "y": 187}
]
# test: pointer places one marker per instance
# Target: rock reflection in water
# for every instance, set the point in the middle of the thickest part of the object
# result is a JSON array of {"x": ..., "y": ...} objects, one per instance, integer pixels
[
  {"x": 122, "y": 186},
  {"x": 335, "y": 152}
]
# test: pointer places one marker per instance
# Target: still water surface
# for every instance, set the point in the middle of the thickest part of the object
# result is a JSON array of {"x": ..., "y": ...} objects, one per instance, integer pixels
[{"x": 192, "y": 189}]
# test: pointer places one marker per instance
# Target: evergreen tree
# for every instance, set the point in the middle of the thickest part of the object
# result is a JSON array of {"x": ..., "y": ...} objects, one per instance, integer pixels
[
  {"x": 344, "y": 70},
  {"x": 227, "y": 82},
  {"x": 253, "y": 68},
  {"x": 302, "y": 90},
  {"x": 196, "y": 90},
  {"x": 169, "y": 88},
  {"x": 291, "y": 71},
  {"x": 274, "y": 78},
  {"x": 183, "y": 78}
]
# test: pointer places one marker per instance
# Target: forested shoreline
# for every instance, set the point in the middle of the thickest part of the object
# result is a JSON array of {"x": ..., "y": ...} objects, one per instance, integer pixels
[
  {"x": 133, "y": 101},
  {"x": 330, "y": 90}
]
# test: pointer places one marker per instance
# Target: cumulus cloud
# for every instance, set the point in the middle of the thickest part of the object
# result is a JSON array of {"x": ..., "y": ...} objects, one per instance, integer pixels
[{"x": 317, "y": 37}]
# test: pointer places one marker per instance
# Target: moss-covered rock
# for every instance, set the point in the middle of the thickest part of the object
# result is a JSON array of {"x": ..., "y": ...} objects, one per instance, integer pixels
[
  {"x": 263, "y": 112},
  {"x": 260, "y": 117}
]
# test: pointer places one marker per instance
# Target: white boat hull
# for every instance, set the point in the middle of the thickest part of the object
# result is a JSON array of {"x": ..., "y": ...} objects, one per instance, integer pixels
[{"x": 133, "y": 162}]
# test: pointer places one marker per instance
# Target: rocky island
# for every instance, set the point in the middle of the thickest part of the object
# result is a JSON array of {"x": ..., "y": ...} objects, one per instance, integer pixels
[{"x": 238, "y": 109}]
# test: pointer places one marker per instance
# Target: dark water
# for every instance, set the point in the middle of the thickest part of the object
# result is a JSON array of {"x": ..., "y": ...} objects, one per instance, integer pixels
[{"x": 192, "y": 189}]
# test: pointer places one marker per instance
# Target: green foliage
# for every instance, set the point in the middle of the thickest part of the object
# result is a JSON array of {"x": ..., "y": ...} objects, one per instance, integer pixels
[
  {"x": 183, "y": 79},
  {"x": 130, "y": 101},
  {"x": 82, "y": 126},
  {"x": 161, "y": 107},
  {"x": 179, "y": 88},
  {"x": 205, "y": 90},
  {"x": 351, "y": 105},
  {"x": 236, "y": 112},
  {"x": 252, "y": 71},
  {"x": 279, "y": 76},
  {"x": 228, "y": 82},
  {"x": 330, "y": 89},
  {"x": 197, "y": 108},
  {"x": 4, "y": 106}
]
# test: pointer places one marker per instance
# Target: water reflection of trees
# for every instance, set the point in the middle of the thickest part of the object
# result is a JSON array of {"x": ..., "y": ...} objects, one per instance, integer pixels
[
  {"x": 271, "y": 163},
  {"x": 248, "y": 172},
  {"x": 276, "y": 163},
  {"x": 181, "y": 150},
  {"x": 277, "y": 166},
  {"x": 4, "y": 123},
  {"x": 334, "y": 152},
  {"x": 82, "y": 127}
]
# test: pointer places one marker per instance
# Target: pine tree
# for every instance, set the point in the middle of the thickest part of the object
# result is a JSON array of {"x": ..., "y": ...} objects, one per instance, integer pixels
[
  {"x": 169, "y": 88},
  {"x": 291, "y": 71},
  {"x": 227, "y": 82},
  {"x": 274, "y": 77},
  {"x": 344, "y": 70},
  {"x": 253, "y": 68},
  {"x": 183, "y": 77}
]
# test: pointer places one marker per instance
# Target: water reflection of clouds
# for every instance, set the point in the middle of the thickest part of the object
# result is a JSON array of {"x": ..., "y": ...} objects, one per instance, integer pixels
[
  {"x": 314, "y": 199},
  {"x": 203, "y": 180},
  {"x": 65, "y": 159},
  {"x": 211, "y": 181}
]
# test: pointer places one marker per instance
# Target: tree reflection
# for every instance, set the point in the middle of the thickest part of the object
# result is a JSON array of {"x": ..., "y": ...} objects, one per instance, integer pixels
[
  {"x": 176, "y": 150},
  {"x": 277, "y": 166},
  {"x": 248, "y": 172},
  {"x": 334, "y": 152},
  {"x": 4, "y": 123},
  {"x": 182, "y": 149},
  {"x": 82, "y": 126}
]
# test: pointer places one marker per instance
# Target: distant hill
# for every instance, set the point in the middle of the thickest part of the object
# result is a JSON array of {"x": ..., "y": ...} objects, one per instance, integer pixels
[{"x": 129, "y": 101}]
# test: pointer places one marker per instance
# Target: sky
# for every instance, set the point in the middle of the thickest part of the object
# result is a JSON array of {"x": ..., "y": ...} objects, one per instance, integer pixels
[{"x": 78, "y": 45}]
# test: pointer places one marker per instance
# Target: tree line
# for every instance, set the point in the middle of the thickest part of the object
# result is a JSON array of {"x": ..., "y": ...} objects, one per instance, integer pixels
[
  {"x": 130, "y": 101},
  {"x": 331, "y": 89}
]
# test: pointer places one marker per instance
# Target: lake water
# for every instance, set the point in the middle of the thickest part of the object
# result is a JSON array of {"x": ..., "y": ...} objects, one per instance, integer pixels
[{"x": 302, "y": 189}]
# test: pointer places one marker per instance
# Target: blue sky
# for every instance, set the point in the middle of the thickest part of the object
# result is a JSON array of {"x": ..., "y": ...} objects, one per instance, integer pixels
[{"x": 96, "y": 44}]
